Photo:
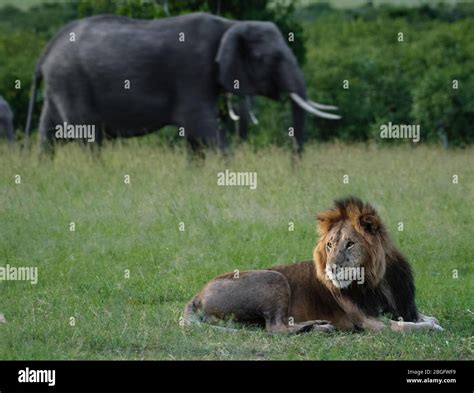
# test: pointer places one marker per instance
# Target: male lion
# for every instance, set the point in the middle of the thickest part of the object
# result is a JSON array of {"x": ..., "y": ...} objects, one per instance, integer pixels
[{"x": 356, "y": 275}]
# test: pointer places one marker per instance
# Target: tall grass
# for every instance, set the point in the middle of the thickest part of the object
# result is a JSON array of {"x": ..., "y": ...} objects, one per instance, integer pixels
[{"x": 134, "y": 227}]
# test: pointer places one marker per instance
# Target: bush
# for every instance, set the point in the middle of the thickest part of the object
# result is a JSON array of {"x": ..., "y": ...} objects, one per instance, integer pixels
[
  {"x": 407, "y": 82},
  {"x": 23, "y": 35},
  {"x": 18, "y": 54}
]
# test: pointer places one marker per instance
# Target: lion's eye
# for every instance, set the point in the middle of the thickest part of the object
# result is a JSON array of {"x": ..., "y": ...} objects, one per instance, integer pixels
[
  {"x": 329, "y": 245},
  {"x": 349, "y": 244}
]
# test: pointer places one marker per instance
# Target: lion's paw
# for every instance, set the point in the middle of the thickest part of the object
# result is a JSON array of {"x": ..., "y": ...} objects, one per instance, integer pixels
[
  {"x": 426, "y": 318},
  {"x": 399, "y": 326},
  {"x": 323, "y": 326}
]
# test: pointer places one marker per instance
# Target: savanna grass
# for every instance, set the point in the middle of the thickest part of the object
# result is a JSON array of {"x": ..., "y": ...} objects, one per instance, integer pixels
[{"x": 134, "y": 228}]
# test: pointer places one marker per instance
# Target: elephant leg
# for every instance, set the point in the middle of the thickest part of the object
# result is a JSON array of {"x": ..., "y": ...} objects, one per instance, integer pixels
[
  {"x": 99, "y": 140},
  {"x": 74, "y": 112},
  {"x": 213, "y": 135},
  {"x": 6, "y": 129},
  {"x": 203, "y": 130},
  {"x": 9, "y": 130},
  {"x": 47, "y": 123},
  {"x": 195, "y": 149},
  {"x": 244, "y": 119},
  {"x": 223, "y": 141},
  {"x": 94, "y": 146}
]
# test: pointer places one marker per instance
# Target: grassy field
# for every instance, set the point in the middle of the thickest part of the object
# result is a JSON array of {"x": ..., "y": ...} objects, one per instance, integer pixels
[{"x": 135, "y": 227}]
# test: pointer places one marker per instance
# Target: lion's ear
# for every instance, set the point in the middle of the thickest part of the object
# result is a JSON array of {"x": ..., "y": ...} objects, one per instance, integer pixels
[
  {"x": 326, "y": 221},
  {"x": 323, "y": 224},
  {"x": 370, "y": 223}
]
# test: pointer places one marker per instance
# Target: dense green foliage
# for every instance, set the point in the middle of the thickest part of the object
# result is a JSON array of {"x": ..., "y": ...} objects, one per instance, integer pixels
[
  {"x": 135, "y": 227},
  {"x": 409, "y": 82},
  {"x": 23, "y": 35}
]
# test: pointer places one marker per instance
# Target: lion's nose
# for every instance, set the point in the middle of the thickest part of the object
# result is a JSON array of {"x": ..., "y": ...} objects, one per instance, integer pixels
[{"x": 342, "y": 261}]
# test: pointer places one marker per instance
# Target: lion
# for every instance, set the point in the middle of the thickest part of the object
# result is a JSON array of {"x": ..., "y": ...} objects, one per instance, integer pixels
[{"x": 356, "y": 276}]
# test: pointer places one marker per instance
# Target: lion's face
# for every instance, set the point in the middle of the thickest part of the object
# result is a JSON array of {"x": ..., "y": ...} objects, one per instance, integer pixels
[
  {"x": 345, "y": 251},
  {"x": 350, "y": 250}
]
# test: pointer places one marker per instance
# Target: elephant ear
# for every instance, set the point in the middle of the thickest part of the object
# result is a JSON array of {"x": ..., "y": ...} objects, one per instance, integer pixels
[{"x": 233, "y": 61}]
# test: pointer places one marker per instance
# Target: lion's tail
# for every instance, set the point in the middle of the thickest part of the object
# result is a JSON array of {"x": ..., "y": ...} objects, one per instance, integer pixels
[
  {"x": 193, "y": 316},
  {"x": 190, "y": 313}
]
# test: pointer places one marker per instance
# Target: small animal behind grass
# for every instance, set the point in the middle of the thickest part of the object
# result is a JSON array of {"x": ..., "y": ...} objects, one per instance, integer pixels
[{"x": 356, "y": 276}]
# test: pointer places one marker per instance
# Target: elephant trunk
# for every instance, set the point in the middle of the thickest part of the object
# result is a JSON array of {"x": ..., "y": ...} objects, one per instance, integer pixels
[
  {"x": 298, "y": 112},
  {"x": 293, "y": 82},
  {"x": 298, "y": 126}
]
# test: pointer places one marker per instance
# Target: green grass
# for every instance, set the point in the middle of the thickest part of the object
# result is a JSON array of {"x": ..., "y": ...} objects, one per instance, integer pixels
[{"x": 135, "y": 227}]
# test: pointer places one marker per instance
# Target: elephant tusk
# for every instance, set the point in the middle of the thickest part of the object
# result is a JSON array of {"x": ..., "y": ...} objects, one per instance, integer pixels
[
  {"x": 323, "y": 107},
  {"x": 253, "y": 118},
  {"x": 234, "y": 116},
  {"x": 307, "y": 107},
  {"x": 249, "y": 100}
]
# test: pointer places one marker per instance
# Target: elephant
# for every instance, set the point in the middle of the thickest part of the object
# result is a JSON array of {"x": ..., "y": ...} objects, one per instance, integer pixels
[
  {"x": 128, "y": 77},
  {"x": 6, "y": 121}
]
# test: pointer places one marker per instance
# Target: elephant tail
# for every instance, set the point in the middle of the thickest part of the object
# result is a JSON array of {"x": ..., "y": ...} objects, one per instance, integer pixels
[{"x": 37, "y": 77}]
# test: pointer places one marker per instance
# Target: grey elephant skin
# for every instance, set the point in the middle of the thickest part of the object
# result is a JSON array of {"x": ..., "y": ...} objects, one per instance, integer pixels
[
  {"x": 176, "y": 68},
  {"x": 6, "y": 121}
]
